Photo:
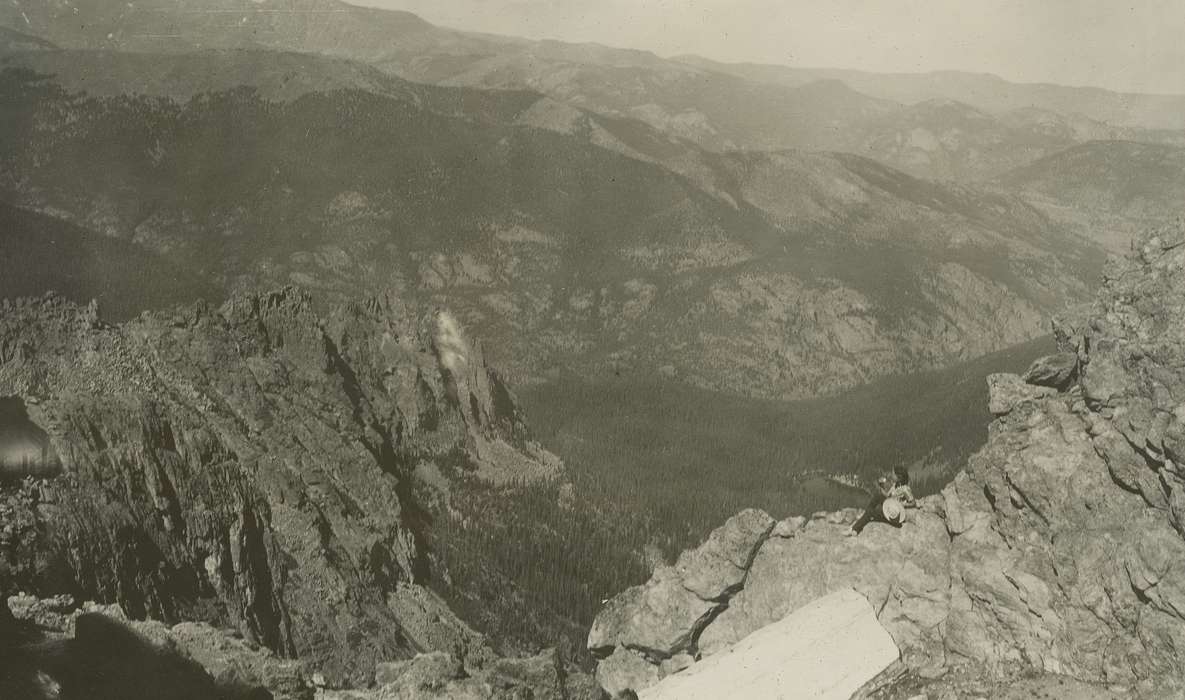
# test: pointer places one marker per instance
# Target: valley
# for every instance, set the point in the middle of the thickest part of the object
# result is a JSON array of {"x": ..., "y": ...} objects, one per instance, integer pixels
[{"x": 690, "y": 458}]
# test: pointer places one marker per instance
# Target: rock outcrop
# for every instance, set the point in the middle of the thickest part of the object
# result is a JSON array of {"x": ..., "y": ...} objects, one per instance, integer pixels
[
  {"x": 827, "y": 650},
  {"x": 442, "y": 676},
  {"x": 1059, "y": 549},
  {"x": 250, "y": 465}
]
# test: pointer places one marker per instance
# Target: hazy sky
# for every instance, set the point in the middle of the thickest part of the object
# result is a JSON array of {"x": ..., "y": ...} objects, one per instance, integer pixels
[{"x": 1119, "y": 44}]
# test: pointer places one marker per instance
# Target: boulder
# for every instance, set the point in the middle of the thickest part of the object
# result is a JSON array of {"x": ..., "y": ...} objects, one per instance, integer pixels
[
  {"x": 661, "y": 617},
  {"x": 718, "y": 566},
  {"x": 1056, "y": 371},
  {"x": 900, "y": 570},
  {"x": 626, "y": 670},
  {"x": 664, "y": 616},
  {"x": 825, "y": 650}
]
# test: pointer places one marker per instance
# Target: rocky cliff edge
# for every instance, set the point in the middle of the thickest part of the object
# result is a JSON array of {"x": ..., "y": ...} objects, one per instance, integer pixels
[
  {"x": 251, "y": 466},
  {"x": 1059, "y": 549}
]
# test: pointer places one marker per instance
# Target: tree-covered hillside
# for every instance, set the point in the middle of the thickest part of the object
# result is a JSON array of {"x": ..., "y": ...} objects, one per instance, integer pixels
[{"x": 804, "y": 274}]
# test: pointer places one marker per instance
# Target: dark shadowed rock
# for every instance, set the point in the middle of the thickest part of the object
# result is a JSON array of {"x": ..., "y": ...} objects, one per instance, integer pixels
[
  {"x": 93, "y": 653},
  {"x": 1055, "y": 371}
]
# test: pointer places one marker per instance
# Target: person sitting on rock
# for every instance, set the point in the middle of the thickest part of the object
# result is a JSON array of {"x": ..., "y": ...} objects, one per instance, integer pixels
[
  {"x": 901, "y": 489},
  {"x": 883, "y": 508}
]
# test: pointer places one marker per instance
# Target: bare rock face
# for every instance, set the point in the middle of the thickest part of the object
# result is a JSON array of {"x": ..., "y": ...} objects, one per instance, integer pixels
[
  {"x": 1059, "y": 549},
  {"x": 664, "y": 617},
  {"x": 1007, "y": 391},
  {"x": 248, "y": 465}
]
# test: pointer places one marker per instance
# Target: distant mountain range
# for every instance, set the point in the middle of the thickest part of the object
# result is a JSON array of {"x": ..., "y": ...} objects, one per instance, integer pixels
[
  {"x": 1114, "y": 188},
  {"x": 744, "y": 230},
  {"x": 981, "y": 90},
  {"x": 775, "y": 274},
  {"x": 903, "y": 120}
]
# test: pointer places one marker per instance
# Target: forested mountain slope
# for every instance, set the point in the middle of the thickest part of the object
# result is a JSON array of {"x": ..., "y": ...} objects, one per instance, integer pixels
[
  {"x": 791, "y": 275},
  {"x": 901, "y": 120}
]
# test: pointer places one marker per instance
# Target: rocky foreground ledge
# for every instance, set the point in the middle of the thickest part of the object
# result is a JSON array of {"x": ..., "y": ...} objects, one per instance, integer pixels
[{"x": 1059, "y": 549}]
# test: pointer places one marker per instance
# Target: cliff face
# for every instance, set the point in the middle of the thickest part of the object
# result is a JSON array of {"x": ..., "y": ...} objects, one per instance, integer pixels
[
  {"x": 1059, "y": 548},
  {"x": 250, "y": 465}
]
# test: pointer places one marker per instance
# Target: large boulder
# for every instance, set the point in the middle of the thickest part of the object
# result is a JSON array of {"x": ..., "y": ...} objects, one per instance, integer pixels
[
  {"x": 1056, "y": 371},
  {"x": 1057, "y": 551},
  {"x": 825, "y": 650}
]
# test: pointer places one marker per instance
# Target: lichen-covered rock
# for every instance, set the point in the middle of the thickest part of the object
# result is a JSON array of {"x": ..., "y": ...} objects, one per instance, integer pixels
[
  {"x": 1007, "y": 391},
  {"x": 249, "y": 465},
  {"x": 1058, "y": 550}
]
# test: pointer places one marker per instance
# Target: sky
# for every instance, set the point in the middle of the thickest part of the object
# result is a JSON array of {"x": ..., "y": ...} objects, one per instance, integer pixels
[{"x": 1135, "y": 45}]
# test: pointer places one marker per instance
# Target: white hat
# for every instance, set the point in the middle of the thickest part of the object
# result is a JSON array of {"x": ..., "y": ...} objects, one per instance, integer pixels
[{"x": 892, "y": 510}]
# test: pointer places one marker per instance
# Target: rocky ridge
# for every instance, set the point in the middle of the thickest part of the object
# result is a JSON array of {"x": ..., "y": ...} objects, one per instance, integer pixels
[
  {"x": 188, "y": 657},
  {"x": 60, "y": 642},
  {"x": 1059, "y": 549},
  {"x": 252, "y": 466}
]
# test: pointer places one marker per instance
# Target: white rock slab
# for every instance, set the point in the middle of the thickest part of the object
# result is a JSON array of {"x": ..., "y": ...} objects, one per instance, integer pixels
[{"x": 824, "y": 651}]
